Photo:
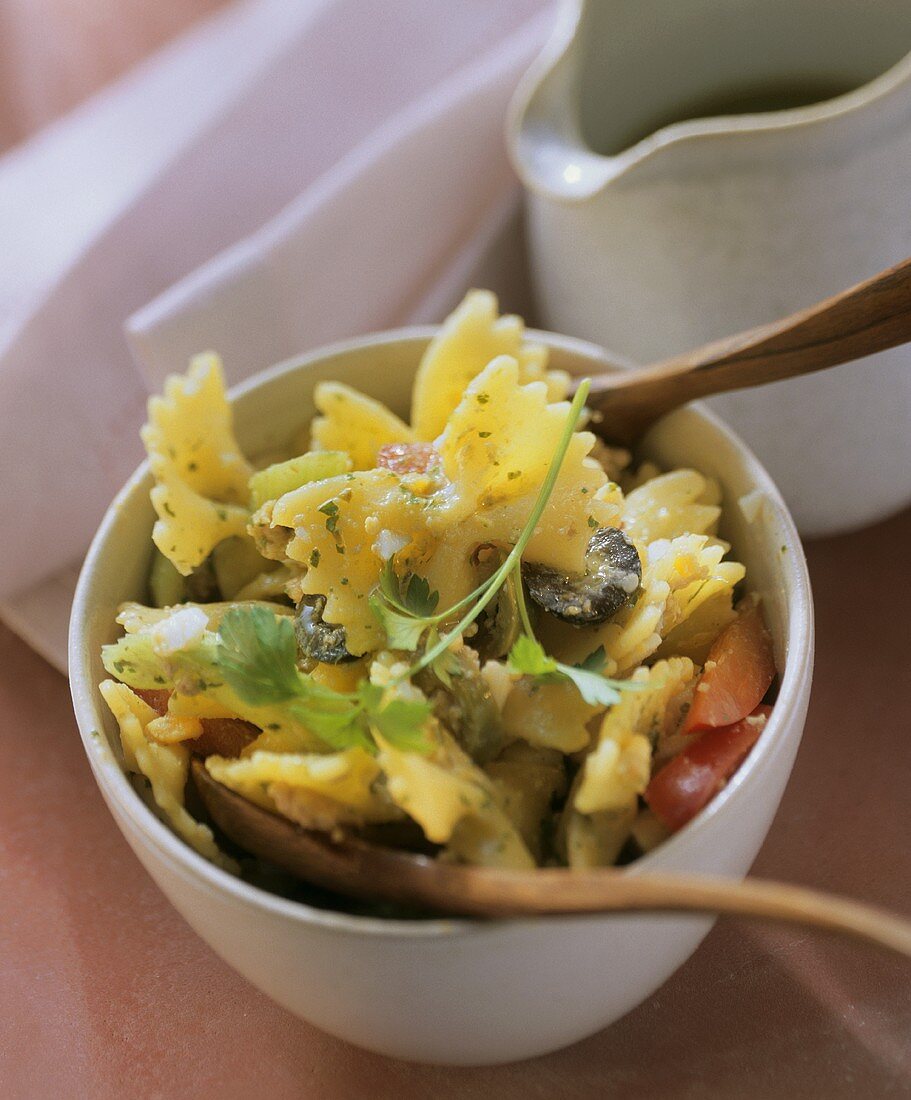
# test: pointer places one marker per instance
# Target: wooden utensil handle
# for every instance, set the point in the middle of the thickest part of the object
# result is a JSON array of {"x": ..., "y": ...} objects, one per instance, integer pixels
[
  {"x": 557, "y": 891},
  {"x": 869, "y": 317},
  {"x": 357, "y": 868}
]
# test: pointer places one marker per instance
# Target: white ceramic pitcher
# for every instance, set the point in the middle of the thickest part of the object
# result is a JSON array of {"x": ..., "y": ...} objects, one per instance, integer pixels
[{"x": 661, "y": 215}]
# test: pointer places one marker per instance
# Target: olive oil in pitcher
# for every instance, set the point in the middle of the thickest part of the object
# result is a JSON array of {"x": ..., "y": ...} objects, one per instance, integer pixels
[{"x": 747, "y": 100}]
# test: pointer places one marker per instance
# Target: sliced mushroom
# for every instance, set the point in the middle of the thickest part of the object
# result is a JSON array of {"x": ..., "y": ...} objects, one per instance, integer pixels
[
  {"x": 318, "y": 640},
  {"x": 611, "y": 580}
]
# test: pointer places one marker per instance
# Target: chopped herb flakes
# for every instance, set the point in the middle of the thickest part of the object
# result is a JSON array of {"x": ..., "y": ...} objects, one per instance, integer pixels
[{"x": 330, "y": 509}]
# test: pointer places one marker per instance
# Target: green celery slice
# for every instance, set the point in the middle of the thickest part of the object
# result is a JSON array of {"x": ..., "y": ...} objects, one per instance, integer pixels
[{"x": 282, "y": 477}]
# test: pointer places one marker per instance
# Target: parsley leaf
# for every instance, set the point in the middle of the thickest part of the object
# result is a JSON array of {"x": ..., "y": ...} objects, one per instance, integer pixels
[
  {"x": 446, "y": 665},
  {"x": 401, "y": 723},
  {"x": 341, "y": 728},
  {"x": 411, "y": 596},
  {"x": 404, "y": 609},
  {"x": 402, "y": 630},
  {"x": 592, "y": 686},
  {"x": 527, "y": 657},
  {"x": 257, "y": 654},
  {"x": 390, "y": 587},
  {"x": 419, "y": 599}
]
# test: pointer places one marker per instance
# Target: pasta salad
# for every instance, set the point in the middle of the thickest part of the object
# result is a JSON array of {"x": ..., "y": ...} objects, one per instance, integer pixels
[{"x": 482, "y": 634}]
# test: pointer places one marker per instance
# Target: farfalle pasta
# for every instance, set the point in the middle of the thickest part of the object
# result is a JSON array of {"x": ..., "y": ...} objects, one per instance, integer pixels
[
  {"x": 335, "y": 527},
  {"x": 473, "y": 336},
  {"x": 354, "y": 424},
  {"x": 202, "y": 479},
  {"x": 482, "y": 633}
]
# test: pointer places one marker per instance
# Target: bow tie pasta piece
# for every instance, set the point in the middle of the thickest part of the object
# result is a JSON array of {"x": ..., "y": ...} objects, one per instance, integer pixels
[
  {"x": 595, "y": 840},
  {"x": 190, "y": 429},
  {"x": 495, "y": 452},
  {"x": 707, "y": 608},
  {"x": 165, "y": 766},
  {"x": 354, "y": 423},
  {"x": 558, "y": 540},
  {"x": 338, "y": 526},
  {"x": 692, "y": 567},
  {"x": 674, "y": 573},
  {"x": 528, "y": 779},
  {"x": 548, "y": 716},
  {"x": 136, "y": 618},
  {"x": 201, "y": 477},
  {"x": 468, "y": 340},
  {"x": 681, "y": 502},
  {"x": 454, "y": 802},
  {"x": 602, "y": 806},
  {"x": 189, "y": 526},
  {"x": 197, "y": 686},
  {"x": 318, "y": 791},
  {"x": 619, "y": 763}
]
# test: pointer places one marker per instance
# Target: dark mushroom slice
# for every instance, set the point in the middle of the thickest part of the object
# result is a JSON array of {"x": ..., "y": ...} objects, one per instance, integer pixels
[
  {"x": 611, "y": 580},
  {"x": 318, "y": 640}
]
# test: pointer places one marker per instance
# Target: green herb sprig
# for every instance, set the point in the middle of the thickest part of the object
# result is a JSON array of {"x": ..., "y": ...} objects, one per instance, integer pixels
[
  {"x": 407, "y": 609},
  {"x": 527, "y": 657},
  {"x": 257, "y": 655},
  {"x": 405, "y": 625}
]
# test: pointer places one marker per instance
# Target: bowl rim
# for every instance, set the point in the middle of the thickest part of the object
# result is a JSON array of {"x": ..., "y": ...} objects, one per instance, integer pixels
[{"x": 200, "y": 872}]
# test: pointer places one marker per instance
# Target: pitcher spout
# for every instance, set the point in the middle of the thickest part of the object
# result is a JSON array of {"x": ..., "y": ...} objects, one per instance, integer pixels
[
  {"x": 544, "y": 138},
  {"x": 621, "y": 84}
]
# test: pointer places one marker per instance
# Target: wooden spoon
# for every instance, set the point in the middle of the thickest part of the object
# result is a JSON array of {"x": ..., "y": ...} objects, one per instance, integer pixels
[
  {"x": 355, "y": 868},
  {"x": 869, "y": 317}
]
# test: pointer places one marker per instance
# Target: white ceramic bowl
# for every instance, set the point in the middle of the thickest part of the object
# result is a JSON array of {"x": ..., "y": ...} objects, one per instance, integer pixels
[{"x": 452, "y": 991}]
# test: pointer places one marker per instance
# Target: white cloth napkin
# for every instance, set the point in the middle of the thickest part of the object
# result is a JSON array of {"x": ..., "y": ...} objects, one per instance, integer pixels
[{"x": 341, "y": 160}]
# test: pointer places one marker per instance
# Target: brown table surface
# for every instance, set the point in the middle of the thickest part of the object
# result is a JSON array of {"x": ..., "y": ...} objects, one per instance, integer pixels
[{"x": 104, "y": 991}]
